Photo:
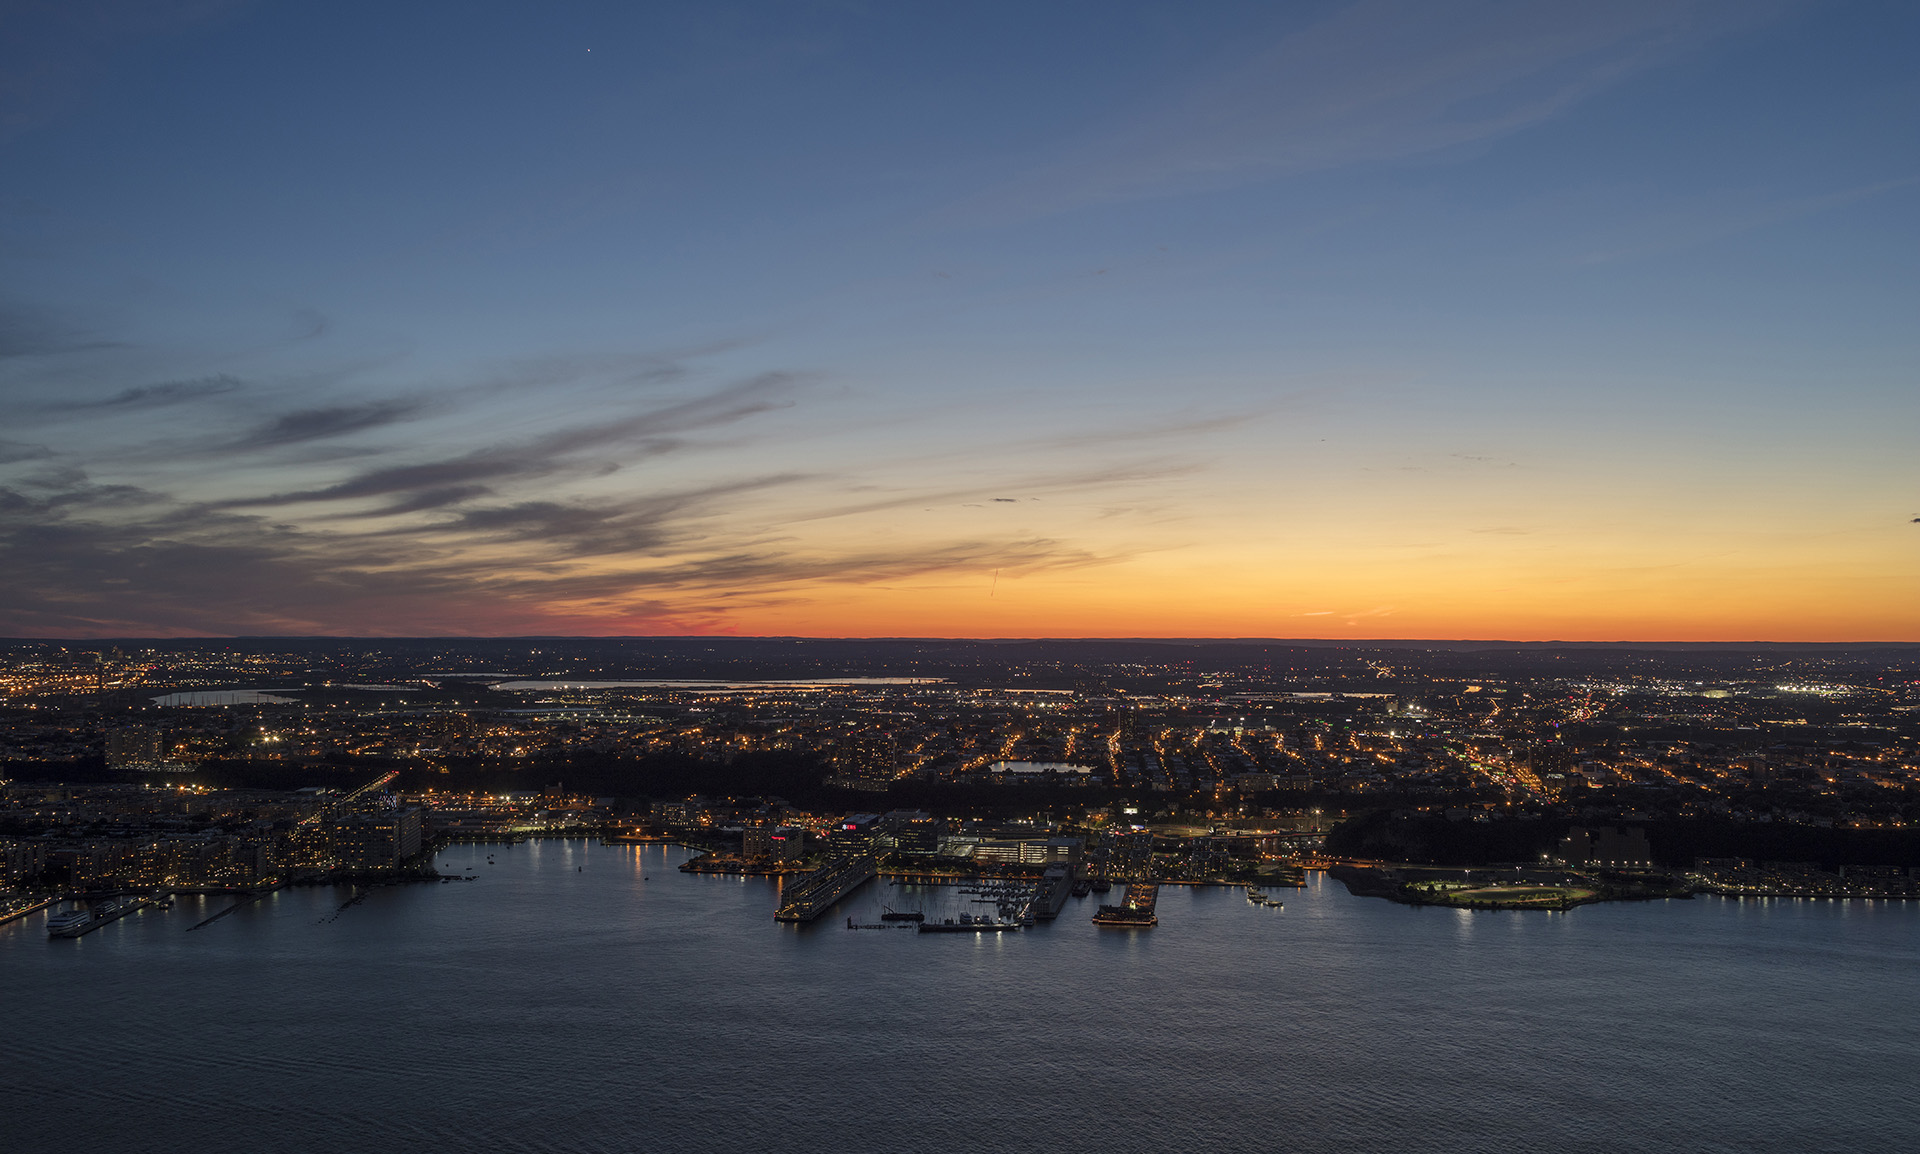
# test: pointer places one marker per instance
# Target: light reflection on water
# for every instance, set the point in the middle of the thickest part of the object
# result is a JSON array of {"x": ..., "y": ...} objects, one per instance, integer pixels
[{"x": 588, "y": 997}]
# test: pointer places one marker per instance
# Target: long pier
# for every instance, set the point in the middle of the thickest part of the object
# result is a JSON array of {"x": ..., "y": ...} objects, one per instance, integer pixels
[
  {"x": 806, "y": 898},
  {"x": 106, "y": 915}
]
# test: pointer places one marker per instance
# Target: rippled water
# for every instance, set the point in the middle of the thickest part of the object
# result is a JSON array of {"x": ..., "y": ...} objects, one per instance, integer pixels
[{"x": 588, "y": 997}]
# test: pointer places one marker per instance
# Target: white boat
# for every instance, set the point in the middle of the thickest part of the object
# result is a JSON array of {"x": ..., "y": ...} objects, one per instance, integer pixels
[{"x": 70, "y": 924}]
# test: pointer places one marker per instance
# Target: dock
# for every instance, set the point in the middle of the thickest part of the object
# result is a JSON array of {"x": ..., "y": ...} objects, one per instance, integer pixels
[
  {"x": 104, "y": 915},
  {"x": 805, "y": 898},
  {"x": 968, "y": 925},
  {"x": 1056, "y": 886},
  {"x": 1135, "y": 911}
]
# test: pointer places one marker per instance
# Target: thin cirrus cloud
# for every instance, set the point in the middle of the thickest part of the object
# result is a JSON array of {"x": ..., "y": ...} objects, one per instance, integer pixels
[
  {"x": 30, "y": 332},
  {"x": 652, "y": 430},
  {"x": 1381, "y": 80},
  {"x": 575, "y": 529},
  {"x": 168, "y": 393},
  {"x": 437, "y": 536},
  {"x": 12, "y": 452},
  {"x": 82, "y": 567},
  {"x": 324, "y": 424}
]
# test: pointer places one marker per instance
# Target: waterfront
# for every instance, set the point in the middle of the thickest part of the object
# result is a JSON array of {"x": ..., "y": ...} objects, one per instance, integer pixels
[{"x": 588, "y": 997}]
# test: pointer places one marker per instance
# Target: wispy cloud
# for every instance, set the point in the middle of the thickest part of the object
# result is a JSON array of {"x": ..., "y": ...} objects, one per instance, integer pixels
[
  {"x": 528, "y": 495},
  {"x": 169, "y": 393},
  {"x": 92, "y": 559},
  {"x": 651, "y": 431},
  {"x": 1379, "y": 80},
  {"x": 322, "y": 424},
  {"x": 33, "y": 332},
  {"x": 984, "y": 493},
  {"x": 15, "y": 451}
]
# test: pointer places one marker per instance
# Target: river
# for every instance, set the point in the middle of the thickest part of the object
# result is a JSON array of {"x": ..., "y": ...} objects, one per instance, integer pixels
[{"x": 581, "y": 997}]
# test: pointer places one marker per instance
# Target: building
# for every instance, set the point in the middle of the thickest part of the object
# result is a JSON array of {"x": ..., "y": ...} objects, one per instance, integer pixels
[
  {"x": 135, "y": 745},
  {"x": 756, "y": 841},
  {"x": 764, "y": 841},
  {"x": 864, "y": 761},
  {"x": 854, "y": 833},
  {"x": 786, "y": 843},
  {"x": 1040, "y": 771},
  {"x": 909, "y": 831},
  {"x": 21, "y": 860},
  {"x": 374, "y": 841},
  {"x": 688, "y": 811},
  {"x": 1028, "y": 851}
]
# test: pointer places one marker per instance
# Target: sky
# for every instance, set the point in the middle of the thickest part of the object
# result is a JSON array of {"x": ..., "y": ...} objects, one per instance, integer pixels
[{"x": 1391, "y": 318}]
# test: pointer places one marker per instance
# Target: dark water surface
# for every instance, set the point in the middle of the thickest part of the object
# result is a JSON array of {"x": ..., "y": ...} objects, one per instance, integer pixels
[{"x": 589, "y": 997}]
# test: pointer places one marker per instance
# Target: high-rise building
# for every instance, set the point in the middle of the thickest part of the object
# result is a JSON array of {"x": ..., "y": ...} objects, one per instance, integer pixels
[
  {"x": 853, "y": 834},
  {"x": 135, "y": 745},
  {"x": 787, "y": 843},
  {"x": 373, "y": 841},
  {"x": 756, "y": 841},
  {"x": 910, "y": 831}
]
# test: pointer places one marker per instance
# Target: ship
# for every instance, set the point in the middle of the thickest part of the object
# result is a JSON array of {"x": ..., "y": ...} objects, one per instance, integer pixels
[
  {"x": 967, "y": 924},
  {"x": 1135, "y": 911},
  {"x": 70, "y": 925},
  {"x": 78, "y": 922},
  {"x": 889, "y": 914},
  {"x": 1101, "y": 885}
]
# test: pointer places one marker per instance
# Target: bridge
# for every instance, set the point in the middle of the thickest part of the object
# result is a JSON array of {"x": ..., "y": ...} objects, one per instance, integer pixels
[{"x": 805, "y": 898}]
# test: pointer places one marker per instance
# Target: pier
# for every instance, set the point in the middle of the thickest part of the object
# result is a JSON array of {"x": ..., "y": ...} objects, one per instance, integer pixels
[
  {"x": 102, "y": 915},
  {"x": 806, "y": 898},
  {"x": 1135, "y": 911}
]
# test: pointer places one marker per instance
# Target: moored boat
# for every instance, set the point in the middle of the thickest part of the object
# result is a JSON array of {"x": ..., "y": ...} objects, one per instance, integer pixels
[{"x": 70, "y": 924}]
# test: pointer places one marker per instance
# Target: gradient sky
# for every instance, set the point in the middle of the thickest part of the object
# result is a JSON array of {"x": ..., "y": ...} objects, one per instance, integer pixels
[{"x": 1418, "y": 319}]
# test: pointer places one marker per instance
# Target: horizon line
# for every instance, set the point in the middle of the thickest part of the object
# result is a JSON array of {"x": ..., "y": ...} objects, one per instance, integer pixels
[{"x": 1337, "y": 642}]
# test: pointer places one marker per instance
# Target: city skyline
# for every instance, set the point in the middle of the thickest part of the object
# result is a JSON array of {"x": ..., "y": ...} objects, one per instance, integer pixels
[{"x": 1350, "y": 321}]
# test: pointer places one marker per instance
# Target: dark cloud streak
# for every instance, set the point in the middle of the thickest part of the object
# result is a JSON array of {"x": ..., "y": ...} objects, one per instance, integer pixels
[
  {"x": 321, "y": 424},
  {"x": 170, "y": 393},
  {"x": 549, "y": 453}
]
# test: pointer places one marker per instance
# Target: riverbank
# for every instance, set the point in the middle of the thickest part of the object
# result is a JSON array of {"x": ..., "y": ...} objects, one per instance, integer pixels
[{"x": 1502, "y": 890}]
